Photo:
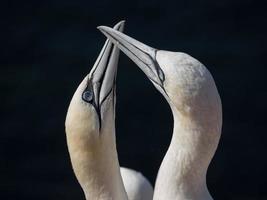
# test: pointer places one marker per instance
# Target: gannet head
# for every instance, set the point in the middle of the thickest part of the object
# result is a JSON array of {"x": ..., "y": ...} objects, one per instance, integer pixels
[
  {"x": 90, "y": 126},
  {"x": 185, "y": 83},
  {"x": 92, "y": 106}
]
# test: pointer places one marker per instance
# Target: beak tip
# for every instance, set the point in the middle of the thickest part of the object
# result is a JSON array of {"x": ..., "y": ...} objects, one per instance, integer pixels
[
  {"x": 100, "y": 27},
  {"x": 122, "y": 24},
  {"x": 122, "y": 21},
  {"x": 105, "y": 30},
  {"x": 119, "y": 26}
]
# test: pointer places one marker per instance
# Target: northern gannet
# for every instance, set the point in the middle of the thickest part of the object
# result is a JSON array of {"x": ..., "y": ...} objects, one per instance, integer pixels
[
  {"x": 90, "y": 132},
  {"x": 192, "y": 95}
]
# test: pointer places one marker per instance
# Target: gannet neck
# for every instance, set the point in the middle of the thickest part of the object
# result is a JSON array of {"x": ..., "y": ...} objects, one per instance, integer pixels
[
  {"x": 197, "y": 114},
  {"x": 94, "y": 156},
  {"x": 106, "y": 181},
  {"x": 185, "y": 164}
]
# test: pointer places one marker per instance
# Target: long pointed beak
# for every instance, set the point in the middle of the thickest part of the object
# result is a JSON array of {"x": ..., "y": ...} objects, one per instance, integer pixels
[
  {"x": 143, "y": 55},
  {"x": 102, "y": 77}
]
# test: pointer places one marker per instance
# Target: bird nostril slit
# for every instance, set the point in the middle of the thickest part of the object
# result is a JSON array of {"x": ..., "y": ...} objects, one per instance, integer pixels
[
  {"x": 87, "y": 96},
  {"x": 161, "y": 75}
]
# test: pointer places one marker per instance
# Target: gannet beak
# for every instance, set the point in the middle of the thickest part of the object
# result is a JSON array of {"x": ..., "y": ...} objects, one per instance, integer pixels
[
  {"x": 143, "y": 55},
  {"x": 102, "y": 77}
]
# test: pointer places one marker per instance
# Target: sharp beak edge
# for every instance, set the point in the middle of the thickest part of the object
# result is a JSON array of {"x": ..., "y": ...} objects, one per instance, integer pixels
[
  {"x": 102, "y": 77},
  {"x": 144, "y": 56}
]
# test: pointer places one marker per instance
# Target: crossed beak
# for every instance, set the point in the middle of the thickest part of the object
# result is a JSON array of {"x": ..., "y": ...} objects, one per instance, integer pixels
[
  {"x": 142, "y": 55},
  {"x": 101, "y": 81}
]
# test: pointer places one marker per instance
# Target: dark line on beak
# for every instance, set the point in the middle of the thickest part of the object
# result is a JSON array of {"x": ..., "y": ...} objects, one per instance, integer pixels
[
  {"x": 102, "y": 77},
  {"x": 153, "y": 60},
  {"x": 100, "y": 86},
  {"x": 97, "y": 105},
  {"x": 99, "y": 60}
]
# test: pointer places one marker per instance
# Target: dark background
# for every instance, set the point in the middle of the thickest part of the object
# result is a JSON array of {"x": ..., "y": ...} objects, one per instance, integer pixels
[{"x": 47, "y": 49}]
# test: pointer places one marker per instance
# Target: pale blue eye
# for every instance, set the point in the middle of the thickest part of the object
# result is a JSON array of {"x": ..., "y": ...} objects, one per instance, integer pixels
[{"x": 88, "y": 96}]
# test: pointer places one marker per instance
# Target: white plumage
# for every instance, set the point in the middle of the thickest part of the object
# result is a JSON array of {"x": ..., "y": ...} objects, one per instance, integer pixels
[{"x": 136, "y": 185}]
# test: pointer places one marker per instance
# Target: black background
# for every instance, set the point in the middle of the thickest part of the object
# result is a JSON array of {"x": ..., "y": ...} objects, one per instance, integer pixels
[{"x": 49, "y": 46}]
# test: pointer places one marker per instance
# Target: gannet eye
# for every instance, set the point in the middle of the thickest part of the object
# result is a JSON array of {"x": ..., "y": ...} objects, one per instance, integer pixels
[{"x": 88, "y": 96}]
